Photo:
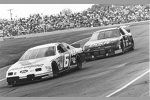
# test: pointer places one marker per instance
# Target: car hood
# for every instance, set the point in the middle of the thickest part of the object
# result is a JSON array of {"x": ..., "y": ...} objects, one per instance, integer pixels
[
  {"x": 103, "y": 42},
  {"x": 27, "y": 64}
]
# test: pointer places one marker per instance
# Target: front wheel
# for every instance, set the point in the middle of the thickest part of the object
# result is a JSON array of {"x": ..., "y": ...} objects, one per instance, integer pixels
[{"x": 15, "y": 83}]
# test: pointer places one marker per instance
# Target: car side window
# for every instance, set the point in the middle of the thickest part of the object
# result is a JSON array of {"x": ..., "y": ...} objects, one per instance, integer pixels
[
  {"x": 115, "y": 33},
  {"x": 50, "y": 51},
  {"x": 61, "y": 48},
  {"x": 66, "y": 46},
  {"x": 121, "y": 31},
  {"x": 101, "y": 35}
]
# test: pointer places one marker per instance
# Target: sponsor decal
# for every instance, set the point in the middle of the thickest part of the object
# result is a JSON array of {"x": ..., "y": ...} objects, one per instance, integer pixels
[
  {"x": 59, "y": 61},
  {"x": 102, "y": 43},
  {"x": 31, "y": 66},
  {"x": 23, "y": 71},
  {"x": 38, "y": 65}
]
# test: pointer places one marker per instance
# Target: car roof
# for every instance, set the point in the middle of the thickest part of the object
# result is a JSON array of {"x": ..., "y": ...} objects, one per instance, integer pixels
[
  {"x": 95, "y": 34},
  {"x": 106, "y": 29},
  {"x": 44, "y": 45}
]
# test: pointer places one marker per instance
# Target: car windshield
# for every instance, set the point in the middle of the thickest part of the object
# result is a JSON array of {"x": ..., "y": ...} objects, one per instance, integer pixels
[
  {"x": 38, "y": 53},
  {"x": 105, "y": 35},
  {"x": 108, "y": 34}
]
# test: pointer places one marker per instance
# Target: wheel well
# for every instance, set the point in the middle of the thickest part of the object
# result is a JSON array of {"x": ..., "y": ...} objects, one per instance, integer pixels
[{"x": 54, "y": 66}]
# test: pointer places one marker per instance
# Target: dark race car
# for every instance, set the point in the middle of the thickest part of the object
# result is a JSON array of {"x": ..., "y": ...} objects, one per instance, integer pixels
[{"x": 108, "y": 42}]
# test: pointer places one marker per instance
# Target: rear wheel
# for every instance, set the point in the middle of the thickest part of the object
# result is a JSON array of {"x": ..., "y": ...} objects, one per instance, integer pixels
[{"x": 15, "y": 83}]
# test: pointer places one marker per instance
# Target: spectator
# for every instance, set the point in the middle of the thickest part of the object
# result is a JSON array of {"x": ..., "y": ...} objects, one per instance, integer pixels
[{"x": 97, "y": 15}]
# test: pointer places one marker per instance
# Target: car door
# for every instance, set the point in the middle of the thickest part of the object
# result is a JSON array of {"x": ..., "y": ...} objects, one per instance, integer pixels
[
  {"x": 65, "y": 55},
  {"x": 73, "y": 54},
  {"x": 125, "y": 38},
  {"x": 128, "y": 36}
]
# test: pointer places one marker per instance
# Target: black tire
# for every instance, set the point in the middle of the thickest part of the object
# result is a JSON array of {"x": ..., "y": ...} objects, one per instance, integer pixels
[
  {"x": 14, "y": 83},
  {"x": 55, "y": 69},
  {"x": 122, "y": 47},
  {"x": 79, "y": 63},
  {"x": 132, "y": 47},
  {"x": 9, "y": 83}
]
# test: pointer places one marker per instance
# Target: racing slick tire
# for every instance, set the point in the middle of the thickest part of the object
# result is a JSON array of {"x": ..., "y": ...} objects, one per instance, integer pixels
[
  {"x": 55, "y": 69},
  {"x": 122, "y": 45},
  {"x": 13, "y": 84},
  {"x": 10, "y": 83},
  {"x": 79, "y": 63},
  {"x": 132, "y": 47}
]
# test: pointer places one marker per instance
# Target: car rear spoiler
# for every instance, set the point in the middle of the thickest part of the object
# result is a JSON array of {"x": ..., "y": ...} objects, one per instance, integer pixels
[{"x": 124, "y": 26}]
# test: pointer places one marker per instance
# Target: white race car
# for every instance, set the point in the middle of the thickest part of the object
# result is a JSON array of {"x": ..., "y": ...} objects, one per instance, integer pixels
[{"x": 44, "y": 61}]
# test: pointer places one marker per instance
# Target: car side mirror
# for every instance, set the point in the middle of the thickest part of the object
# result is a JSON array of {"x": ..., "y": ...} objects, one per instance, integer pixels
[
  {"x": 68, "y": 47},
  {"x": 128, "y": 30}
]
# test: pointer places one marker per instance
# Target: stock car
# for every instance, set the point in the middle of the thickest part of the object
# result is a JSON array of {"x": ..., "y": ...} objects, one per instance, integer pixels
[
  {"x": 44, "y": 61},
  {"x": 108, "y": 42}
]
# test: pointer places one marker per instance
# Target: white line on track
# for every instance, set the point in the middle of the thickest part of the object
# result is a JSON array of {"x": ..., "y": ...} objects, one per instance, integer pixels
[
  {"x": 125, "y": 86},
  {"x": 2, "y": 79}
]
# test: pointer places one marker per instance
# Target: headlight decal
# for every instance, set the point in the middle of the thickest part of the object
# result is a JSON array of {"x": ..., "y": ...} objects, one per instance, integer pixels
[
  {"x": 24, "y": 71},
  {"x": 10, "y": 73}
]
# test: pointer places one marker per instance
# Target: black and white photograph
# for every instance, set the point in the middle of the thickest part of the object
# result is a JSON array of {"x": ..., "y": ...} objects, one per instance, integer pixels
[{"x": 75, "y": 50}]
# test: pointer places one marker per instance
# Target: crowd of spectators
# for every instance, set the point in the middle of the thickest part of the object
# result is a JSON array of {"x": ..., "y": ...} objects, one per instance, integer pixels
[{"x": 97, "y": 15}]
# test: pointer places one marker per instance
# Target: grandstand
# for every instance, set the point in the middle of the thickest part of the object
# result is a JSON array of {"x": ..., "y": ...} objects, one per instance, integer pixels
[{"x": 97, "y": 15}]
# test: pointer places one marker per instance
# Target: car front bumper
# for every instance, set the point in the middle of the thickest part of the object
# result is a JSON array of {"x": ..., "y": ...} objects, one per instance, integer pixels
[{"x": 28, "y": 78}]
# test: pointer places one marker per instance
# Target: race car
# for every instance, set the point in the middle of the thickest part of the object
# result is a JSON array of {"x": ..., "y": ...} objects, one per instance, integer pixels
[
  {"x": 108, "y": 42},
  {"x": 44, "y": 61}
]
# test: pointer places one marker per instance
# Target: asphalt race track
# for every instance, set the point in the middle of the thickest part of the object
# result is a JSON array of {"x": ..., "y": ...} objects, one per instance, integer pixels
[{"x": 97, "y": 78}]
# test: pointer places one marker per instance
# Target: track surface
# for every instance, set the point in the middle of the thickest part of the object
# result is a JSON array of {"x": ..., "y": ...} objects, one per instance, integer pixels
[{"x": 97, "y": 78}]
